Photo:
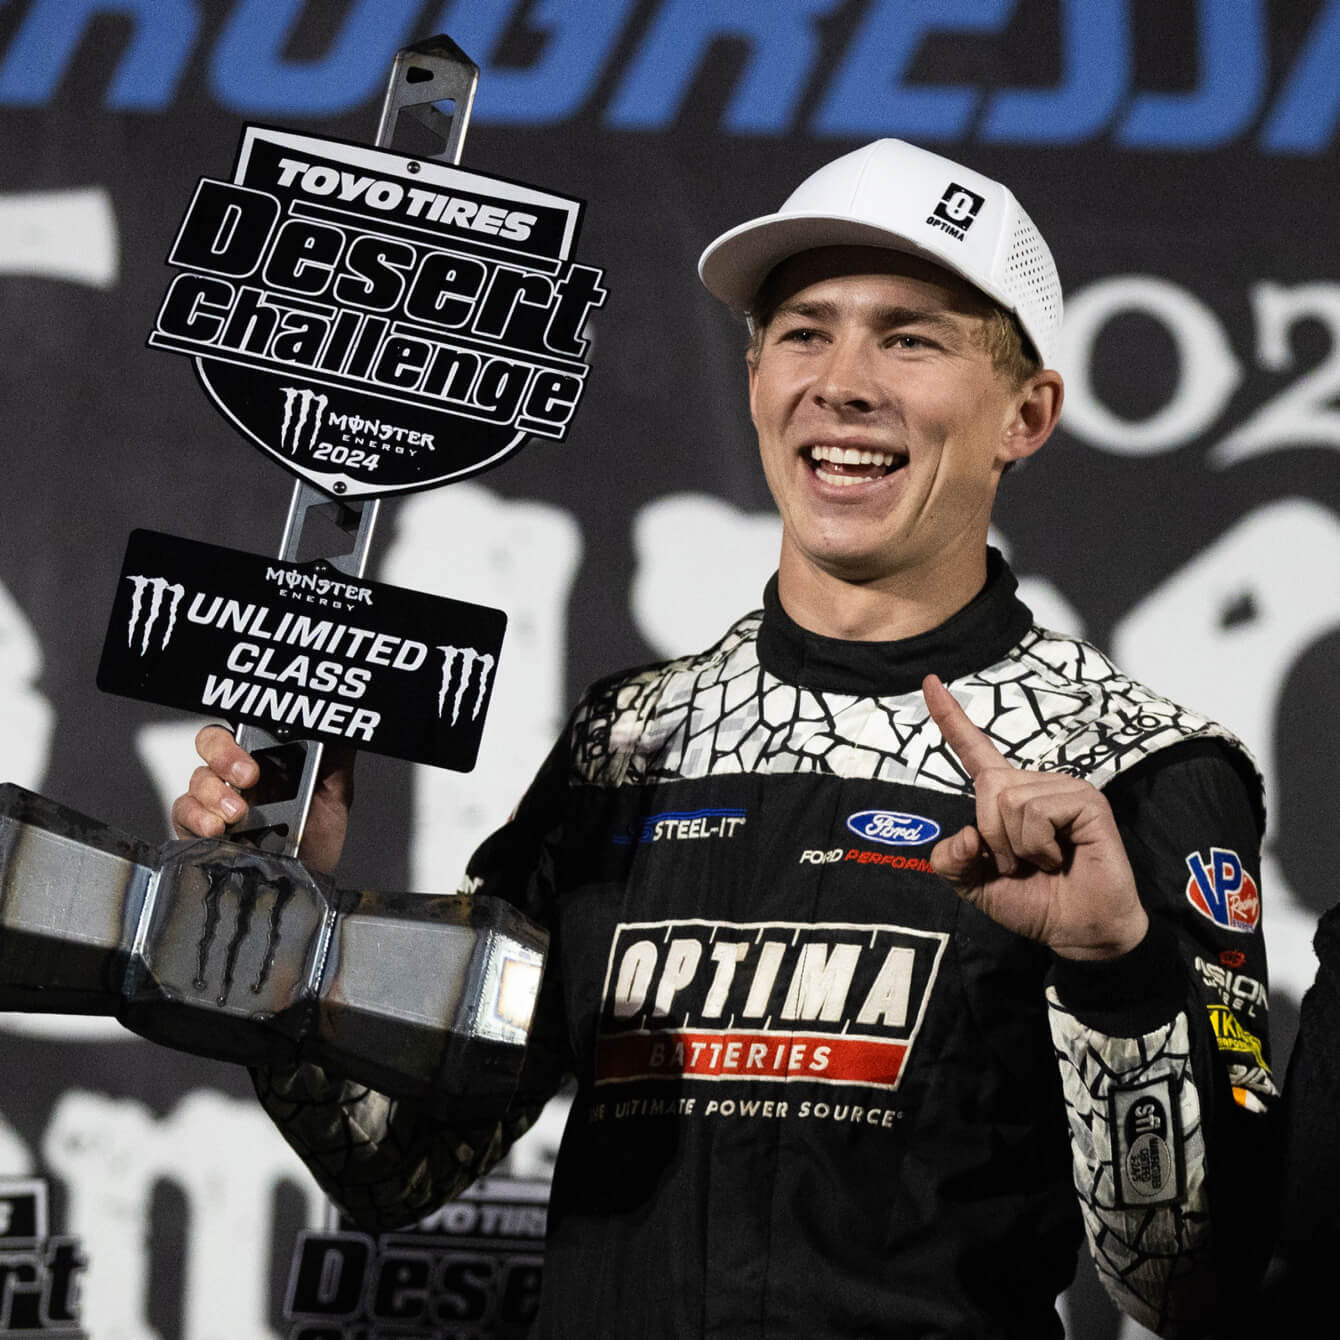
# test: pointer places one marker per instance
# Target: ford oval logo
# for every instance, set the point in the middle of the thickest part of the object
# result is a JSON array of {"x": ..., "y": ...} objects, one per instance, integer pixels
[{"x": 898, "y": 830}]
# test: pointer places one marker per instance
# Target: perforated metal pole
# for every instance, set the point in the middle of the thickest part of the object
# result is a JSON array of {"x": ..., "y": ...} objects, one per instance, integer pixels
[{"x": 422, "y": 77}]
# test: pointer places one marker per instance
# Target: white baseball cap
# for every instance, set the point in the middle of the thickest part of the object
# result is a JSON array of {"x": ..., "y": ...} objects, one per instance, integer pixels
[{"x": 893, "y": 194}]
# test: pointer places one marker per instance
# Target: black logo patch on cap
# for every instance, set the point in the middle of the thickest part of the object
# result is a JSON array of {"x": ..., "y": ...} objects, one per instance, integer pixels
[{"x": 956, "y": 209}]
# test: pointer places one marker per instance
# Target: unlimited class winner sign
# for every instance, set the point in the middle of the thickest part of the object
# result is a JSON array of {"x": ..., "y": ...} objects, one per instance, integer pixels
[
  {"x": 301, "y": 649},
  {"x": 379, "y": 323}
]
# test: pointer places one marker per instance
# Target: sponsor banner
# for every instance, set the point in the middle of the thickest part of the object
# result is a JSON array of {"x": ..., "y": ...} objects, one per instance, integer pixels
[
  {"x": 1222, "y": 890},
  {"x": 301, "y": 649},
  {"x": 835, "y": 1004},
  {"x": 40, "y": 1274},
  {"x": 470, "y": 1270},
  {"x": 378, "y": 323}
]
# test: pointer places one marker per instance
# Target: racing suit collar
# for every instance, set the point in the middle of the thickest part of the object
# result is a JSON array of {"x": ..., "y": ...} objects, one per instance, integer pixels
[{"x": 977, "y": 636}]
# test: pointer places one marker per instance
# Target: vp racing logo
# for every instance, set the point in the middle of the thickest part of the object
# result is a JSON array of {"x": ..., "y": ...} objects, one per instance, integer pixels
[
  {"x": 1222, "y": 890},
  {"x": 468, "y": 660},
  {"x": 894, "y": 828},
  {"x": 776, "y": 1001},
  {"x": 154, "y": 602}
]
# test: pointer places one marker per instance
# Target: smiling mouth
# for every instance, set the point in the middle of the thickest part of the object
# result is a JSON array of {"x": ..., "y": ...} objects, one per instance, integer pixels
[{"x": 851, "y": 465}]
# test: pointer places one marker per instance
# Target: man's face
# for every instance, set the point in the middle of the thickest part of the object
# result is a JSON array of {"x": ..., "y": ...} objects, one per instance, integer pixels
[{"x": 882, "y": 421}]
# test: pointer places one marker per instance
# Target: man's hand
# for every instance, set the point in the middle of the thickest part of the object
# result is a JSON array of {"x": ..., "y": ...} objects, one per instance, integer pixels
[
  {"x": 1045, "y": 858},
  {"x": 212, "y": 801}
]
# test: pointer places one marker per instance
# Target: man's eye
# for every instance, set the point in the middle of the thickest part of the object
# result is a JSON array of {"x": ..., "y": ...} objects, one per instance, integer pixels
[
  {"x": 800, "y": 335},
  {"x": 907, "y": 341}
]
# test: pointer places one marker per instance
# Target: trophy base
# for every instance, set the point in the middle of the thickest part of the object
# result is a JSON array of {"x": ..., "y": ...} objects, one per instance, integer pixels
[
  {"x": 232, "y": 953},
  {"x": 62, "y": 951}
]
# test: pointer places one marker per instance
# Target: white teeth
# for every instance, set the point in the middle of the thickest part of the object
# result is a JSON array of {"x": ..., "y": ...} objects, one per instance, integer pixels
[
  {"x": 850, "y": 456},
  {"x": 841, "y": 480}
]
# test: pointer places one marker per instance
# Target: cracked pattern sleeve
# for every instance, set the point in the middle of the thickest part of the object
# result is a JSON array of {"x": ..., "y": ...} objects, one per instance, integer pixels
[
  {"x": 1148, "y": 1254},
  {"x": 1164, "y": 1053},
  {"x": 388, "y": 1162},
  {"x": 384, "y": 1163}
]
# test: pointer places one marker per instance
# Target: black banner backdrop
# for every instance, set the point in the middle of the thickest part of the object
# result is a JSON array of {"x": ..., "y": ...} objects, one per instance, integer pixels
[{"x": 1180, "y": 157}]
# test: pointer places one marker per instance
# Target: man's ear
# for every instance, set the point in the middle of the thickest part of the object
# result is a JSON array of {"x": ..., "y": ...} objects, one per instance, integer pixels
[{"x": 1037, "y": 408}]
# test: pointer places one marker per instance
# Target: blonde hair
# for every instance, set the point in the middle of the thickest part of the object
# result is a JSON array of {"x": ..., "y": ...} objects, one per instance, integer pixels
[{"x": 1010, "y": 350}]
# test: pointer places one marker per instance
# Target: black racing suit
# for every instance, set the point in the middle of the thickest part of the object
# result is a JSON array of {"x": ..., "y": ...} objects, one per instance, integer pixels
[{"x": 819, "y": 1095}]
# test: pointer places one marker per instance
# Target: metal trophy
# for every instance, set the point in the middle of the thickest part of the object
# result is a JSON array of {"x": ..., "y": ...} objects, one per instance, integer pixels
[{"x": 377, "y": 323}]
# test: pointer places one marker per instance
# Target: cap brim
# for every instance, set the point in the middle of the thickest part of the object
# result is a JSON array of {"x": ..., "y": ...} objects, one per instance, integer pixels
[{"x": 734, "y": 266}]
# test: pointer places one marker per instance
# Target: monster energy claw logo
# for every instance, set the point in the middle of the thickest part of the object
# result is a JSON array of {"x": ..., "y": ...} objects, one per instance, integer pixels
[
  {"x": 160, "y": 587},
  {"x": 245, "y": 887},
  {"x": 469, "y": 659},
  {"x": 304, "y": 415}
]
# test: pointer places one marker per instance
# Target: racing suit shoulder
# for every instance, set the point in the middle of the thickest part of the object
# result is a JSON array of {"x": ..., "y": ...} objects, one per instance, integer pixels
[
  {"x": 630, "y": 726},
  {"x": 1098, "y": 721}
]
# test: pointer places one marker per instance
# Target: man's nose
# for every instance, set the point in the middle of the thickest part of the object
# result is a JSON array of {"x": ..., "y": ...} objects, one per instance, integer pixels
[{"x": 848, "y": 379}]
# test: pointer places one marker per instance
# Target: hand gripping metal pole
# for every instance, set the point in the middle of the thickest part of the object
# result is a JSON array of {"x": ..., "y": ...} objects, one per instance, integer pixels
[{"x": 422, "y": 76}]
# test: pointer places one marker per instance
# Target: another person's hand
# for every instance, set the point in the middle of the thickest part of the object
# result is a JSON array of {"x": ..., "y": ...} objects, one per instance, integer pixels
[
  {"x": 1044, "y": 858},
  {"x": 212, "y": 801}
]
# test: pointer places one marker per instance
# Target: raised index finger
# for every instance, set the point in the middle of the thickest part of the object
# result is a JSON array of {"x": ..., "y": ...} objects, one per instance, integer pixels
[{"x": 973, "y": 748}]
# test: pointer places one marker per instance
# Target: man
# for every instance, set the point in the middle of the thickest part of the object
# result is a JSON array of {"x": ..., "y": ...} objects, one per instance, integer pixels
[{"x": 818, "y": 1093}]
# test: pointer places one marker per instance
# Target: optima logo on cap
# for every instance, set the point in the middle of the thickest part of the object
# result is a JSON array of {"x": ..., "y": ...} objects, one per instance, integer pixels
[{"x": 956, "y": 210}]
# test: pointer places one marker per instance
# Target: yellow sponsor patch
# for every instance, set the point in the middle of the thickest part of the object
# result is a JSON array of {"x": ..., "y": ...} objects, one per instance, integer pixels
[{"x": 1232, "y": 1037}]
